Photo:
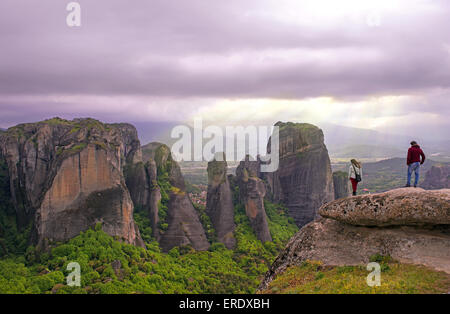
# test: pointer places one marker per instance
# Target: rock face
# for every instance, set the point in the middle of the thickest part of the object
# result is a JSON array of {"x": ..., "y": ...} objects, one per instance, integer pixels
[
  {"x": 341, "y": 185},
  {"x": 67, "y": 176},
  {"x": 252, "y": 191},
  {"x": 337, "y": 243},
  {"x": 141, "y": 180},
  {"x": 183, "y": 224},
  {"x": 400, "y": 207},
  {"x": 219, "y": 203},
  {"x": 303, "y": 181},
  {"x": 438, "y": 177}
]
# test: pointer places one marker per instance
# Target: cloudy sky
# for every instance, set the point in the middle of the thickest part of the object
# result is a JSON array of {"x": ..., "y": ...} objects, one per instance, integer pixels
[{"x": 382, "y": 65}]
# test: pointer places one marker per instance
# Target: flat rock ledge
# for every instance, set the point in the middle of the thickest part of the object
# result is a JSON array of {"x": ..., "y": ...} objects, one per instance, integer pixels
[{"x": 400, "y": 207}]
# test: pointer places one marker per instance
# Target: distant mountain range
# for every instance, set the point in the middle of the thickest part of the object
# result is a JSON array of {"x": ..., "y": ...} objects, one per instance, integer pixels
[
  {"x": 344, "y": 141},
  {"x": 367, "y": 151}
]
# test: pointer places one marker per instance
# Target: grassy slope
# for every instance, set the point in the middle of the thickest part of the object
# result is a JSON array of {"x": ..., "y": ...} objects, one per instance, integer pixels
[{"x": 311, "y": 277}]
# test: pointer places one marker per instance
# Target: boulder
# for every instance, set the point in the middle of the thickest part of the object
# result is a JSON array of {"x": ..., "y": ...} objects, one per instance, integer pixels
[
  {"x": 405, "y": 207},
  {"x": 338, "y": 244}
]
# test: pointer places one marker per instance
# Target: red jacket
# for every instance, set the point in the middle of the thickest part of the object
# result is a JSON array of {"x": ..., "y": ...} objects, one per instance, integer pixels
[{"x": 414, "y": 153}]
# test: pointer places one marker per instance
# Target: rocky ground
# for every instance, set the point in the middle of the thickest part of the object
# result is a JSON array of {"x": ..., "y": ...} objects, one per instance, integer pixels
[{"x": 351, "y": 234}]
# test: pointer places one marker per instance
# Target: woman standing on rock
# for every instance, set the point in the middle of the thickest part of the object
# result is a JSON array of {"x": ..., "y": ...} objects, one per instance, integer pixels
[{"x": 355, "y": 174}]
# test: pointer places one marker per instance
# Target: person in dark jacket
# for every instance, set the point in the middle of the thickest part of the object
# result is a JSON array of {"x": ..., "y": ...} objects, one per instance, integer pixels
[{"x": 413, "y": 161}]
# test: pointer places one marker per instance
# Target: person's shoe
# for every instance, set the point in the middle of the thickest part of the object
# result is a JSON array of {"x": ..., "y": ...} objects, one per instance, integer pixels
[
  {"x": 408, "y": 186},
  {"x": 415, "y": 185},
  {"x": 354, "y": 193}
]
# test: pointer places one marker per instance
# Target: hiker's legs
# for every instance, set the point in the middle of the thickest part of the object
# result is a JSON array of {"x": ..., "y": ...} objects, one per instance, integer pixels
[
  {"x": 410, "y": 169},
  {"x": 354, "y": 185},
  {"x": 417, "y": 174}
]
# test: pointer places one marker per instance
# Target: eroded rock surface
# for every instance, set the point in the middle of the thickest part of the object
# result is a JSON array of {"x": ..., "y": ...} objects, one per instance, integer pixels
[
  {"x": 397, "y": 228},
  {"x": 338, "y": 244},
  {"x": 67, "y": 176},
  {"x": 219, "y": 203},
  {"x": 252, "y": 191},
  {"x": 303, "y": 181},
  {"x": 341, "y": 185},
  {"x": 438, "y": 177},
  {"x": 184, "y": 226},
  {"x": 406, "y": 206}
]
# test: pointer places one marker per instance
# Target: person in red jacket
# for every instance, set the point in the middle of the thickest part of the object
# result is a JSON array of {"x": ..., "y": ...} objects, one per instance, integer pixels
[{"x": 413, "y": 161}]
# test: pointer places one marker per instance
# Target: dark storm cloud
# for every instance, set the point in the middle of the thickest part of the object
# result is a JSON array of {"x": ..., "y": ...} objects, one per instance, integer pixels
[{"x": 138, "y": 48}]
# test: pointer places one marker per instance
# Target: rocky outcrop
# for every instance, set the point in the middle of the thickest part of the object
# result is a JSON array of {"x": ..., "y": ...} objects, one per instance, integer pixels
[
  {"x": 183, "y": 224},
  {"x": 219, "y": 203},
  {"x": 141, "y": 180},
  {"x": 303, "y": 181},
  {"x": 400, "y": 207},
  {"x": 337, "y": 243},
  {"x": 67, "y": 176},
  {"x": 341, "y": 185},
  {"x": 438, "y": 177},
  {"x": 252, "y": 191}
]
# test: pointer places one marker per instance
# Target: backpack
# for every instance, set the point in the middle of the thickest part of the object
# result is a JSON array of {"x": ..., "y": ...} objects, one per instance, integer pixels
[{"x": 357, "y": 176}]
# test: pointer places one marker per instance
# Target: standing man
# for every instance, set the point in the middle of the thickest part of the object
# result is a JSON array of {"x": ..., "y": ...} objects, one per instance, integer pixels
[{"x": 413, "y": 161}]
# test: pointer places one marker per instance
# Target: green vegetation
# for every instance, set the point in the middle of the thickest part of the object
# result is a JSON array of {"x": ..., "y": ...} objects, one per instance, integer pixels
[
  {"x": 182, "y": 270},
  {"x": 312, "y": 277},
  {"x": 165, "y": 189},
  {"x": 206, "y": 223},
  {"x": 282, "y": 227},
  {"x": 12, "y": 241},
  {"x": 253, "y": 255}
]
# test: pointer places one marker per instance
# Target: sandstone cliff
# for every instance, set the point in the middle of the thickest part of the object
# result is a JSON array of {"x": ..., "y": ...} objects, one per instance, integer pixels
[
  {"x": 219, "y": 203},
  {"x": 303, "y": 181},
  {"x": 67, "y": 176},
  {"x": 339, "y": 243},
  {"x": 341, "y": 185},
  {"x": 252, "y": 191},
  {"x": 180, "y": 224},
  {"x": 438, "y": 177}
]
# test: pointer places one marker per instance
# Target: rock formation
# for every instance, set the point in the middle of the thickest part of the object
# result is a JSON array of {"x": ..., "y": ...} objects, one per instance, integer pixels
[
  {"x": 141, "y": 180},
  {"x": 219, "y": 202},
  {"x": 400, "y": 207},
  {"x": 337, "y": 243},
  {"x": 67, "y": 176},
  {"x": 438, "y": 177},
  {"x": 303, "y": 181},
  {"x": 252, "y": 191},
  {"x": 183, "y": 224},
  {"x": 341, "y": 185}
]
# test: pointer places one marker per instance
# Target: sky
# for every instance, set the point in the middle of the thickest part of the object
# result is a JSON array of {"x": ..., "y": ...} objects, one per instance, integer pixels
[{"x": 380, "y": 65}]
